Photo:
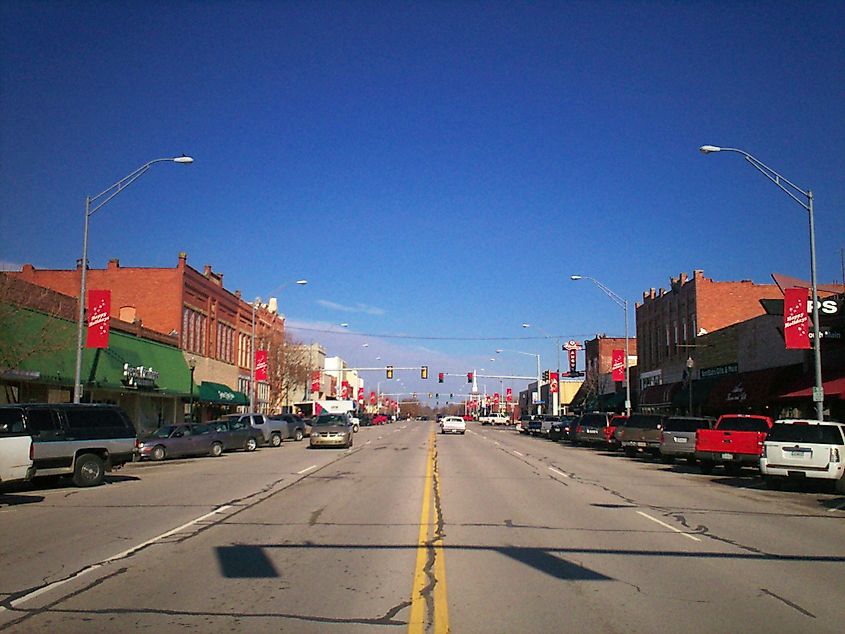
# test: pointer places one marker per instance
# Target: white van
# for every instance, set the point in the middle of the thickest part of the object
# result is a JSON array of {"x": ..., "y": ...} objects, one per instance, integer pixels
[{"x": 15, "y": 450}]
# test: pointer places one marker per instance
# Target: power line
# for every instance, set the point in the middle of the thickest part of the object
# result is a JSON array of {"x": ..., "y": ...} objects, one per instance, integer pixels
[{"x": 436, "y": 338}]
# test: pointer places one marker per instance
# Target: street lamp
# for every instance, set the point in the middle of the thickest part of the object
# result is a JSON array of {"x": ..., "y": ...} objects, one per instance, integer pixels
[
  {"x": 109, "y": 193},
  {"x": 530, "y": 354},
  {"x": 690, "y": 366},
  {"x": 192, "y": 364},
  {"x": 556, "y": 398},
  {"x": 624, "y": 304},
  {"x": 255, "y": 305},
  {"x": 791, "y": 189}
]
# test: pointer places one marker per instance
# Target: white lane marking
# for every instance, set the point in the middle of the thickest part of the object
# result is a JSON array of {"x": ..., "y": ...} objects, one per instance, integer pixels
[
  {"x": 560, "y": 473},
  {"x": 519, "y": 454},
  {"x": 306, "y": 469},
  {"x": 836, "y": 508},
  {"x": 116, "y": 557},
  {"x": 671, "y": 528}
]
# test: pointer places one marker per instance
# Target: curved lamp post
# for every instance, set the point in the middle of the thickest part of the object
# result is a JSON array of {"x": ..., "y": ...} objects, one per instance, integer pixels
[
  {"x": 106, "y": 196},
  {"x": 255, "y": 306},
  {"x": 530, "y": 354},
  {"x": 624, "y": 304},
  {"x": 791, "y": 190}
]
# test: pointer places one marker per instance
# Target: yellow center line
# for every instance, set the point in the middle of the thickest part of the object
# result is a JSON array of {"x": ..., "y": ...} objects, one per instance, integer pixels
[{"x": 417, "y": 621}]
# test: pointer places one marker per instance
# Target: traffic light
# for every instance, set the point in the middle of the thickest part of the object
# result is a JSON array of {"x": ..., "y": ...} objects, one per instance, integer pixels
[
  {"x": 545, "y": 375},
  {"x": 469, "y": 377},
  {"x": 424, "y": 372},
  {"x": 440, "y": 378},
  {"x": 389, "y": 372}
]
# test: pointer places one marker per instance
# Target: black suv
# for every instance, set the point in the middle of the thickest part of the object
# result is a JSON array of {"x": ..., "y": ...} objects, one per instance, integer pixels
[{"x": 76, "y": 439}]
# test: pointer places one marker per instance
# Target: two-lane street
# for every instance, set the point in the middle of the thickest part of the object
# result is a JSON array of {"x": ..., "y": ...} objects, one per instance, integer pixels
[{"x": 411, "y": 530}]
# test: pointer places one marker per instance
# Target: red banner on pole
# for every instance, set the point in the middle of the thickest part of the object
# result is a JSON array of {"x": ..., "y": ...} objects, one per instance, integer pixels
[
  {"x": 315, "y": 381},
  {"x": 260, "y": 365},
  {"x": 617, "y": 365},
  {"x": 344, "y": 389},
  {"x": 496, "y": 400},
  {"x": 796, "y": 322},
  {"x": 553, "y": 382},
  {"x": 373, "y": 398},
  {"x": 509, "y": 395},
  {"x": 99, "y": 305},
  {"x": 360, "y": 395}
]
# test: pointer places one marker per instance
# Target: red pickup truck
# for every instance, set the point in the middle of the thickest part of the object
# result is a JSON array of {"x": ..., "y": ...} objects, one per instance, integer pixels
[{"x": 735, "y": 441}]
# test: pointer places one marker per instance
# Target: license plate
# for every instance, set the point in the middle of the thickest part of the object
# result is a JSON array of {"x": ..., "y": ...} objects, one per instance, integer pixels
[
  {"x": 642, "y": 444},
  {"x": 680, "y": 439},
  {"x": 727, "y": 456},
  {"x": 797, "y": 454},
  {"x": 592, "y": 431}
]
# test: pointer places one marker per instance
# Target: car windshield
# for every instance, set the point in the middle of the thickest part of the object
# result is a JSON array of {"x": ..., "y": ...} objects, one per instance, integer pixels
[
  {"x": 804, "y": 433},
  {"x": 163, "y": 432},
  {"x": 736, "y": 423},
  {"x": 644, "y": 421},
  {"x": 329, "y": 419}
]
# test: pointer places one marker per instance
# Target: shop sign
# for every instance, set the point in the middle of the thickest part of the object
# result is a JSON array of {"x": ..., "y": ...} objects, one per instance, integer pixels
[
  {"x": 139, "y": 376},
  {"x": 718, "y": 370}
]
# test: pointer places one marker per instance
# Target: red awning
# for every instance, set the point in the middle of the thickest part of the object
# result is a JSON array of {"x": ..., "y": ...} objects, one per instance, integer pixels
[{"x": 834, "y": 388}]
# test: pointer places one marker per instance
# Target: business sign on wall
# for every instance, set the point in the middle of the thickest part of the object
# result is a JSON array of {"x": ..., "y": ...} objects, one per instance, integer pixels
[{"x": 719, "y": 370}]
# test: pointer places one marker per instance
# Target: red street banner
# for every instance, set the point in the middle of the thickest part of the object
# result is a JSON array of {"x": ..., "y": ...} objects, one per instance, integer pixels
[
  {"x": 99, "y": 305},
  {"x": 796, "y": 322},
  {"x": 553, "y": 382},
  {"x": 372, "y": 398},
  {"x": 315, "y": 381},
  {"x": 617, "y": 365},
  {"x": 360, "y": 395},
  {"x": 344, "y": 389},
  {"x": 260, "y": 365},
  {"x": 509, "y": 395},
  {"x": 495, "y": 399}
]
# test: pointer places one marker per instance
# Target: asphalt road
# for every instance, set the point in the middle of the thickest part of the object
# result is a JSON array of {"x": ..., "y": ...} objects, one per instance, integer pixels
[{"x": 412, "y": 531}]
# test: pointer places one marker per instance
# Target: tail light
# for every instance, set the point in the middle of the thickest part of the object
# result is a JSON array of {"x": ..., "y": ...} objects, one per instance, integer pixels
[
  {"x": 662, "y": 438},
  {"x": 834, "y": 454},
  {"x": 763, "y": 452},
  {"x": 579, "y": 429}
]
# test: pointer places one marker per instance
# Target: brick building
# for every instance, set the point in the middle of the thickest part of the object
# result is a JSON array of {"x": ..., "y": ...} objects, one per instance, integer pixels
[
  {"x": 599, "y": 390},
  {"x": 203, "y": 319},
  {"x": 671, "y": 325}
]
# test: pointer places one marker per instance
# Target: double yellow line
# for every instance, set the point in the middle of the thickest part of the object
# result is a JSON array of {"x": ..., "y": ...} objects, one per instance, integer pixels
[{"x": 429, "y": 544}]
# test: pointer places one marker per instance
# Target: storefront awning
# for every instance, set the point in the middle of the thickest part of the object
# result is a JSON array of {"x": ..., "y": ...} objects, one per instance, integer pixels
[
  {"x": 833, "y": 388},
  {"x": 658, "y": 395},
  {"x": 751, "y": 390},
  {"x": 218, "y": 393}
]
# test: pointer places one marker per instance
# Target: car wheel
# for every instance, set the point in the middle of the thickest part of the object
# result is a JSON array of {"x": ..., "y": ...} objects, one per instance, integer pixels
[
  {"x": 772, "y": 483},
  {"x": 666, "y": 459},
  {"x": 733, "y": 469},
  {"x": 251, "y": 444},
  {"x": 275, "y": 440},
  {"x": 631, "y": 453},
  {"x": 706, "y": 466},
  {"x": 298, "y": 435},
  {"x": 216, "y": 449},
  {"x": 839, "y": 485},
  {"x": 158, "y": 453},
  {"x": 355, "y": 429},
  {"x": 463, "y": 432},
  {"x": 89, "y": 470}
]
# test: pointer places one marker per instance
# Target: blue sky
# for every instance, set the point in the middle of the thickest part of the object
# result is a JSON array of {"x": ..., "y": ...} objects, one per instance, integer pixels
[{"x": 434, "y": 169}]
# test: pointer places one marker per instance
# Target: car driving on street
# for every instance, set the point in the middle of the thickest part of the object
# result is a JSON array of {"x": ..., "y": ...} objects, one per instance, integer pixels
[
  {"x": 453, "y": 425},
  {"x": 331, "y": 430}
]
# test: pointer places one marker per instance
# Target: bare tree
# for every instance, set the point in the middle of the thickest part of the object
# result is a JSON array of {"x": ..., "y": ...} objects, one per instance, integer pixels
[{"x": 287, "y": 369}]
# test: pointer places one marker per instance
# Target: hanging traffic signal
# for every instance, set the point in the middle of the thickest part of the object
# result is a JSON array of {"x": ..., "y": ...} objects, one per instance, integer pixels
[
  {"x": 440, "y": 378},
  {"x": 545, "y": 375},
  {"x": 424, "y": 372},
  {"x": 469, "y": 377},
  {"x": 389, "y": 372}
]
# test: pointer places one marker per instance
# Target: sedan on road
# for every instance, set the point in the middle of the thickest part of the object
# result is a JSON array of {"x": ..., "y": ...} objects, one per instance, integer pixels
[
  {"x": 237, "y": 434},
  {"x": 331, "y": 430},
  {"x": 173, "y": 441},
  {"x": 453, "y": 425}
]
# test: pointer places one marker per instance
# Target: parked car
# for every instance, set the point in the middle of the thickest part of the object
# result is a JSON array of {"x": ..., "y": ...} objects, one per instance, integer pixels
[
  {"x": 610, "y": 430},
  {"x": 235, "y": 434},
  {"x": 801, "y": 450},
  {"x": 15, "y": 449},
  {"x": 331, "y": 430},
  {"x": 177, "y": 441},
  {"x": 590, "y": 429},
  {"x": 535, "y": 424},
  {"x": 641, "y": 434},
  {"x": 678, "y": 437},
  {"x": 366, "y": 419},
  {"x": 78, "y": 439},
  {"x": 546, "y": 424},
  {"x": 735, "y": 441},
  {"x": 494, "y": 419},
  {"x": 271, "y": 430},
  {"x": 380, "y": 419},
  {"x": 560, "y": 428},
  {"x": 453, "y": 425},
  {"x": 291, "y": 427}
]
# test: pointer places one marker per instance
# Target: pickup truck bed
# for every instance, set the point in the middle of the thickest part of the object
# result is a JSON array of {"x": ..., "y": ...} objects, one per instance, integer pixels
[{"x": 736, "y": 441}]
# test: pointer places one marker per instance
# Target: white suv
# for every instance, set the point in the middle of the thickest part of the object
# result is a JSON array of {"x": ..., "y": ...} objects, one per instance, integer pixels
[
  {"x": 798, "y": 449},
  {"x": 15, "y": 449}
]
